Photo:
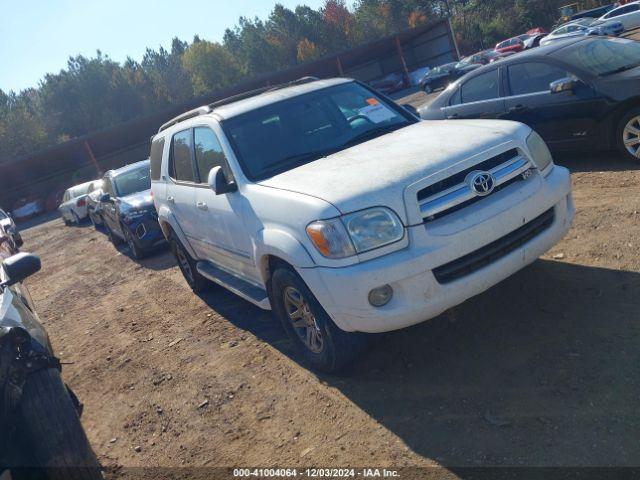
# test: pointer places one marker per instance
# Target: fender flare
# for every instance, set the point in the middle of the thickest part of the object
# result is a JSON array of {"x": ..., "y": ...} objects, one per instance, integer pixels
[
  {"x": 168, "y": 224},
  {"x": 283, "y": 245}
]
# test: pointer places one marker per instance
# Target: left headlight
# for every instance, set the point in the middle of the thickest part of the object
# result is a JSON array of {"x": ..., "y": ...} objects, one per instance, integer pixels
[
  {"x": 356, "y": 232},
  {"x": 540, "y": 153}
]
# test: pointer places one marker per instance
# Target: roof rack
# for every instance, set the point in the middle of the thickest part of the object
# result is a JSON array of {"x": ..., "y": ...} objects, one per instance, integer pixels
[{"x": 204, "y": 110}]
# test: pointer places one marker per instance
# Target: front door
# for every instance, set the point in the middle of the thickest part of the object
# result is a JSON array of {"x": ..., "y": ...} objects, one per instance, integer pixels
[
  {"x": 564, "y": 120},
  {"x": 220, "y": 226}
]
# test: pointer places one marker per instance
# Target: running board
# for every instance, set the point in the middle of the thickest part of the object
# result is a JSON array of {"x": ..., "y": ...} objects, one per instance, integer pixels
[{"x": 248, "y": 291}]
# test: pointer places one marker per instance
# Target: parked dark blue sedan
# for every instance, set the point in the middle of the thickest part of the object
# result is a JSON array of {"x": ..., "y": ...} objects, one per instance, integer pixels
[{"x": 128, "y": 211}]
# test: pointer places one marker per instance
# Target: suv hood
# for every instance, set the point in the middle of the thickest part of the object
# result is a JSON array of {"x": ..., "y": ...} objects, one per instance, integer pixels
[
  {"x": 138, "y": 200},
  {"x": 376, "y": 173}
]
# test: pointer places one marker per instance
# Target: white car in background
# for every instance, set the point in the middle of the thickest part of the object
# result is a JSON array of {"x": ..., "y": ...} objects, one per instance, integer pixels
[
  {"x": 8, "y": 225},
  {"x": 628, "y": 15},
  {"x": 582, "y": 28},
  {"x": 73, "y": 208}
]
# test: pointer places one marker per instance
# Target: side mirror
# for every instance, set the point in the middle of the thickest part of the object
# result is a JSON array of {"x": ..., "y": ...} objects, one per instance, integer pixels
[
  {"x": 411, "y": 109},
  {"x": 567, "y": 84},
  {"x": 218, "y": 182},
  {"x": 104, "y": 198},
  {"x": 19, "y": 267}
]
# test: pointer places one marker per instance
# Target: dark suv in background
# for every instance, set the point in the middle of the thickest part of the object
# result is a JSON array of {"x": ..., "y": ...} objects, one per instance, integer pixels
[{"x": 127, "y": 209}]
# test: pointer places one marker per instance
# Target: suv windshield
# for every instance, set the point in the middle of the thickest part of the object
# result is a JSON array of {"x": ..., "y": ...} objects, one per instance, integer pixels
[
  {"x": 133, "y": 181},
  {"x": 290, "y": 133},
  {"x": 604, "y": 57}
]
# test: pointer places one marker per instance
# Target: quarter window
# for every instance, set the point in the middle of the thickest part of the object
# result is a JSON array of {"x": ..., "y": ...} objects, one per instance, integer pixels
[
  {"x": 533, "y": 77},
  {"x": 482, "y": 87},
  {"x": 157, "y": 146},
  {"x": 181, "y": 166},
  {"x": 208, "y": 152}
]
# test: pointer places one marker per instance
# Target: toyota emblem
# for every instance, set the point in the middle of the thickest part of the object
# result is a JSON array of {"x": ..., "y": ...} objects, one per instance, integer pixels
[{"x": 482, "y": 183}]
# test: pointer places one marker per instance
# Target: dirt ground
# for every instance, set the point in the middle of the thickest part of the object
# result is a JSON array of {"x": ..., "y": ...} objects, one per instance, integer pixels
[{"x": 542, "y": 370}]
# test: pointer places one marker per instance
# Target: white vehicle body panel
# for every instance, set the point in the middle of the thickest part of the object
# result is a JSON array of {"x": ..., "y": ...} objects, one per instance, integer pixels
[
  {"x": 238, "y": 231},
  {"x": 629, "y": 20}
]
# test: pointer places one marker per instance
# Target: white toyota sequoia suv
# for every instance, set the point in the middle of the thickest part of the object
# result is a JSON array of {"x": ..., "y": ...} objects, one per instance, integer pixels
[{"x": 337, "y": 208}]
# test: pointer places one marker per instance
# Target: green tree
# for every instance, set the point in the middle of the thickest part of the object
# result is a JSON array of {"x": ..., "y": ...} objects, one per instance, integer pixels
[{"x": 211, "y": 66}]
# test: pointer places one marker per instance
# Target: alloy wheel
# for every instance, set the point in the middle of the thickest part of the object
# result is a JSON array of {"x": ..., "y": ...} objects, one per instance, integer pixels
[
  {"x": 303, "y": 320},
  {"x": 631, "y": 136},
  {"x": 185, "y": 266}
]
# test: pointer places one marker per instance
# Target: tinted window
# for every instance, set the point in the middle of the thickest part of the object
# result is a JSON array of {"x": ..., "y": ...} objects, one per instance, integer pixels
[
  {"x": 157, "y": 146},
  {"x": 604, "y": 56},
  {"x": 533, "y": 77},
  {"x": 181, "y": 168},
  {"x": 133, "y": 181},
  {"x": 208, "y": 152},
  {"x": 482, "y": 87}
]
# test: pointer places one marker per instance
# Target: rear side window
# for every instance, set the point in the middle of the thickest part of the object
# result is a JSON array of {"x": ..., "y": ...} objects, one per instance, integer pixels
[
  {"x": 181, "y": 166},
  {"x": 482, "y": 87},
  {"x": 533, "y": 77},
  {"x": 157, "y": 146},
  {"x": 208, "y": 152}
]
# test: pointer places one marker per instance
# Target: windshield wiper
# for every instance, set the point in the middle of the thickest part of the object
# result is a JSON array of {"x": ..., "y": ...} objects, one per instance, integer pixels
[
  {"x": 620, "y": 69},
  {"x": 374, "y": 132}
]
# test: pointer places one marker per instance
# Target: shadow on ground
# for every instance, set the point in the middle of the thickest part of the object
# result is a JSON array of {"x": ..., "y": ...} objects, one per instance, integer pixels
[{"x": 540, "y": 370}]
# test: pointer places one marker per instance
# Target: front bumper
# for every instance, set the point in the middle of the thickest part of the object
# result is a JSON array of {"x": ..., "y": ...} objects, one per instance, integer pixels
[
  {"x": 418, "y": 296},
  {"x": 146, "y": 232}
]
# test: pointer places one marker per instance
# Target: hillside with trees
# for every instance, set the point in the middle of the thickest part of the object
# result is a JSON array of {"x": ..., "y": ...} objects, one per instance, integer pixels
[{"x": 94, "y": 93}]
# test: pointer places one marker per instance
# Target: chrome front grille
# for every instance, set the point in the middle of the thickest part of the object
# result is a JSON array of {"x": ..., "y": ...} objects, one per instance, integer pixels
[{"x": 455, "y": 192}]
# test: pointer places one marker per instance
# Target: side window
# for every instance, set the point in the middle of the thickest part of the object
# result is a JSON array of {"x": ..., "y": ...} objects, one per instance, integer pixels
[
  {"x": 208, "y": 152},
  {"x": 482, "y": 87},
  {"x": 533, "y": 77},
  {"x": 157, "y": 147},
  {"x": 181, "y": 166}
]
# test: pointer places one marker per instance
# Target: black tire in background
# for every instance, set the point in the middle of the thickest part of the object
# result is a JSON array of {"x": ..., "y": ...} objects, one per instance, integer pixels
[
  {"x": 339, "y": 348},
  {"x": 187, "y": 265},
  {"x": 620, "y": 134},
  {"x": 50, "y": 427}
]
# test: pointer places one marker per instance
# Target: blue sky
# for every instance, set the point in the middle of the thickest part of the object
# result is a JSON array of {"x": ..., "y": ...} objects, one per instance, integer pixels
[{"x": 38, "y": 36}]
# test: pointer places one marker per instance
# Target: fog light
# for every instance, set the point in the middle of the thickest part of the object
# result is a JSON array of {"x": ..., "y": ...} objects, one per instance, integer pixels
[{"x": 379, "y": 297}]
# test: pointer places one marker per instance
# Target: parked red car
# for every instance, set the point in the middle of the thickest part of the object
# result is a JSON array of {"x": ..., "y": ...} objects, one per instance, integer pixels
[{"x": 512, "y": 45}]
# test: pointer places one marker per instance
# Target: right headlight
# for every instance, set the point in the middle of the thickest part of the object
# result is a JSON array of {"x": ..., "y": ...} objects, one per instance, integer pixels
[
  {"x": 540, "y": 153},
  {"x": 356, "y": 232}
]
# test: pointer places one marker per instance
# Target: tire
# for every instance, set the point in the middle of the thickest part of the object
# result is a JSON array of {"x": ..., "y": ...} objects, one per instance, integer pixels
[
  {"x": 113, "y": 238},
  {"x": 136, "y": 252},
  {"x": 324, "y": 346},
  {"x": 66, "y": 222},
  {"x": 50, "y": 427},
  {"x": 18, "y": 240},
  {"x": 94, "y": 220},
  {"x": 628, "y": 135},
  {"x": 427, "y": 89},
  {"x": 187, "y": 265}
]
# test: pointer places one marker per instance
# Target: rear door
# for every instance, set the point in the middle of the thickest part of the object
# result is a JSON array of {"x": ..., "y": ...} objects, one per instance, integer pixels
[
  {"x": 564, "y": 120},
  {"x": 478, "y": 97},
  {"x": 181, "y": 184}
]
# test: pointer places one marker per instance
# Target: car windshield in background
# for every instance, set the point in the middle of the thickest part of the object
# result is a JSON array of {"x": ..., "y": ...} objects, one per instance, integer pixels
[
  {"x": 137, "y": 180},
  {"x": 604, "y": 57},
  {"x": 290, "y": 133}
]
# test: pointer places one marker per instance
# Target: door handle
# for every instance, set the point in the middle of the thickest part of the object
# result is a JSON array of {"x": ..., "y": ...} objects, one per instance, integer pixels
[
  {"x": 453, "y": 116},
  {"x": 517, "y": 108},
  {"x": 202, "y": 205},
  {"x": 171, "y": 200}
]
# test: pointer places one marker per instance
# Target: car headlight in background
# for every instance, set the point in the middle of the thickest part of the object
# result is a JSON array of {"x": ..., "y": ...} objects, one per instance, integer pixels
[
  {"x": 540, "y": 154},
  {"x": 356, "y": 232}
]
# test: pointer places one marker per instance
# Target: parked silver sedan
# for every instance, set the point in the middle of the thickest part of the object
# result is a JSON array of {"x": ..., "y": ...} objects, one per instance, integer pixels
[{"x": 582, "y": 28}]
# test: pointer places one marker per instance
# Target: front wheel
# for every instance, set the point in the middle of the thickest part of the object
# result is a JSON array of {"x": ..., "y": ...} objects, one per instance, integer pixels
[
  {"x": 324, "y": 346},
  {"x": 628, "y": 135},
  {"x": 427, "y": 89},
  {"x": 52, "y": 432},
  {"x": 136, "y": 251}
]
